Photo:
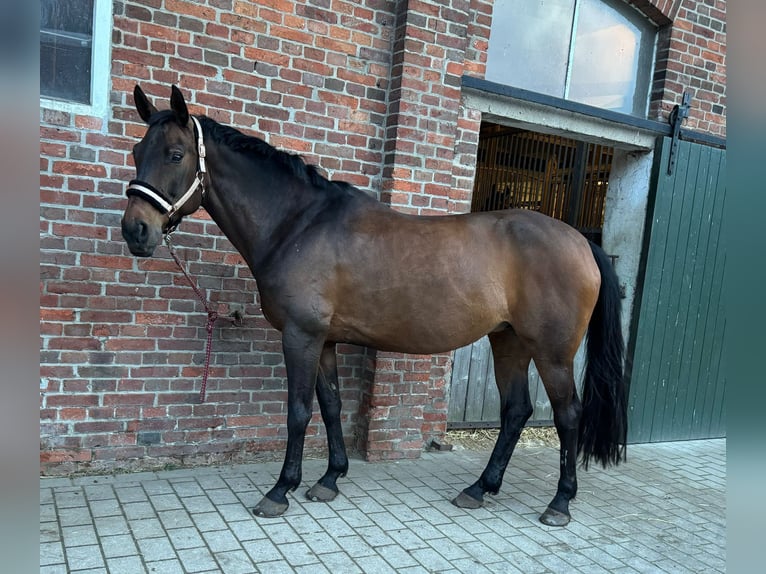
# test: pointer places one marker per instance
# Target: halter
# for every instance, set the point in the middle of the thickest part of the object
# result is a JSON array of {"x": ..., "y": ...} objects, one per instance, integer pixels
[{"x": 154, "y": 196}]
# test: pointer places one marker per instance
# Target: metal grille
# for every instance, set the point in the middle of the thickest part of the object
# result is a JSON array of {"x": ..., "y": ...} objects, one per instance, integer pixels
[{"x": 564, "y": 178}]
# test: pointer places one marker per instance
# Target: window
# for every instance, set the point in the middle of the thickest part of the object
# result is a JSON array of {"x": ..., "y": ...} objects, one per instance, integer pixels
[
  {"x": 596, "y": 52},
  {"x": 74, "y": 54}
]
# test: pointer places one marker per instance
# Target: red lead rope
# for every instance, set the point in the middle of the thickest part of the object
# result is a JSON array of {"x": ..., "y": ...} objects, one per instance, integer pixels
[{"x": 212, "y": 317}]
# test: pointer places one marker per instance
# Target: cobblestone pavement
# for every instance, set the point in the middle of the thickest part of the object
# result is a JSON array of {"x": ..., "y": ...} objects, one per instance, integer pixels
[{"x": 662, "y": 511}]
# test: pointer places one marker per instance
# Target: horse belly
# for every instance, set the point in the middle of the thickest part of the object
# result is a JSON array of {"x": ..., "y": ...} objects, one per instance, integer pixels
[{"x": 407, "y": 322}]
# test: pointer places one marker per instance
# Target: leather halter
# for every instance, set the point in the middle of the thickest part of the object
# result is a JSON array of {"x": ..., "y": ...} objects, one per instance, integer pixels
[{"x": 158, "y": 199}]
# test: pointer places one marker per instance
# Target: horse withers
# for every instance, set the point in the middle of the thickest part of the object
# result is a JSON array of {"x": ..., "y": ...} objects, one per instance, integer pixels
[{"x": 333, "y": 265}]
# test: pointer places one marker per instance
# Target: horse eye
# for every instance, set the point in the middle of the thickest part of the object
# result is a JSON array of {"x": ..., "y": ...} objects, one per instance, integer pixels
[{"x": 176, "y": 157}]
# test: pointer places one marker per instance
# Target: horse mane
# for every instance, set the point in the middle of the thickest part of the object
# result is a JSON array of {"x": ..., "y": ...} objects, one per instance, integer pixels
[{"x": 238, "y": 141}]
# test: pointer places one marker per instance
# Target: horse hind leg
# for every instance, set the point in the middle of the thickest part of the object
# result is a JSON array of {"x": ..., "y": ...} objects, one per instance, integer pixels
[
  {"x": 328, "y": 396},
  {"x": 511, "y": 358},
  {"x": 558, "y": 379}
]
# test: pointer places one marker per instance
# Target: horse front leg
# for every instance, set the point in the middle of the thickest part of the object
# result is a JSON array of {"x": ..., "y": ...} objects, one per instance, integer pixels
[
  {"x": 328, "y": 395},
  {"x": 301, "y": 352}
]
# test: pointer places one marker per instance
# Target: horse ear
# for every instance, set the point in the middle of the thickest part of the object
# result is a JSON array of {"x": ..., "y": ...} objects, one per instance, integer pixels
[
  {"x": 178, "y": 105},
  {"x": 143, "y": 105}
]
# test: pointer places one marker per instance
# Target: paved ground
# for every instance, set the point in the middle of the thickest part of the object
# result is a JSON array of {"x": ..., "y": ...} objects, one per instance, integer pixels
[{"x": 663, "y": 511}]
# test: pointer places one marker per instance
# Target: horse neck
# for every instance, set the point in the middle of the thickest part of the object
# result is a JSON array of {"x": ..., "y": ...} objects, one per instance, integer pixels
[{"x": 252, "y": 199}]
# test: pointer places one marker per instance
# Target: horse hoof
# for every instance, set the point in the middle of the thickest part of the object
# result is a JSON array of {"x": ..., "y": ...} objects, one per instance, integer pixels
[
  {"x": 553, "y": 517},
  {"x": 267, "y": 508},
  {"x": 320, "y": 493},
  {"x": 464, "y": 500}
]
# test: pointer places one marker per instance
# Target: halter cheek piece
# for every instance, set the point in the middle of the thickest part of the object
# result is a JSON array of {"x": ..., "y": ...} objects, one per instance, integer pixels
[{"x": 154, "y": 196}]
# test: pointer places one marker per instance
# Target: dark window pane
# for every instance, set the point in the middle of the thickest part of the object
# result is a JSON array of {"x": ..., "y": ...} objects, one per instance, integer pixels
[{"x": 66, "y": 41}]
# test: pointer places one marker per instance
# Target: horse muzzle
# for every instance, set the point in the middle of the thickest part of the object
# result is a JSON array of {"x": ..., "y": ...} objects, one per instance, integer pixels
[{"x": 142, "y": 238}]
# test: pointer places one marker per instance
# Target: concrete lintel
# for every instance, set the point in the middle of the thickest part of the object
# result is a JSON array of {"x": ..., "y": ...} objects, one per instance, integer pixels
[{"x": 513, "y": 112}]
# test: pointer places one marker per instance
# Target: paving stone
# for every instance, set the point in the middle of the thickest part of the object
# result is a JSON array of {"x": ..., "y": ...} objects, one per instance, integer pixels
[
  {"x": 431, "y": 559},
  {"x": 132, "y": 564},
  {"x": 156, "y": 549},
  {"x": 175, "y": 518},
  {"x": 169, "y": 501},
  {"x": 49, "y": 532},
  {"x": 205, "y": 521},
  {"x": 165, "y": 567},
  {"x": 107, "y": 507},
  {"x": 321, "y": 543},
  {"x": 146, "y": 528},
  {"x": 262, "y": 551},
  {"x": 221, "y": 541},
  {"x": 375, "y": 565},
  {"x": 111, "y": 525},
  {"x": 298, "y": 553},
  {"x": 79, "y": 535},
  {"x": 185, "y": 538},
  {"x": 74, "y": 516},
  {"x": 118, "y": 546},
  {"x": 314, "y": 569},
  {"x": 197, "y": 560},
  {"x": 82, "y": 557},
  {"x": 235, "y": 562},
  {"x": 338, "y": 562},
  {"x": 138, "y": 510},
  {"x": 51, "y": 553}
]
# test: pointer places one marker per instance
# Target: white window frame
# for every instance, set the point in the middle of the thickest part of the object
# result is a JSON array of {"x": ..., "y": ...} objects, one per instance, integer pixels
[{"x": 101, "y": 73}]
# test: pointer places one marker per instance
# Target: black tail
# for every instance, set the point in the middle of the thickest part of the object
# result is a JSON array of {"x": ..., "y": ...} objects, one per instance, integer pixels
[{"x": 604, "y": 421}]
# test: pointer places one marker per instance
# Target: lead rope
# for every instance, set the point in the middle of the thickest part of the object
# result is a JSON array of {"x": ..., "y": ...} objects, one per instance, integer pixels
[{"x": 212, "y": 316}]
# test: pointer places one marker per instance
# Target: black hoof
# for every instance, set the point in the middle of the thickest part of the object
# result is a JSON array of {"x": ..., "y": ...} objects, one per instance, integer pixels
[
  {"x": 267, "y": 508},
  {"x": 554, "y": 518},
  {"x": 320, "y": 493},
  {"x": 464, "y": 500}
]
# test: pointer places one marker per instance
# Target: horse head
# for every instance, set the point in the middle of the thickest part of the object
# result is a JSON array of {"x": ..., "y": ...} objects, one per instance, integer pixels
[{"x": 170, "y": 169}]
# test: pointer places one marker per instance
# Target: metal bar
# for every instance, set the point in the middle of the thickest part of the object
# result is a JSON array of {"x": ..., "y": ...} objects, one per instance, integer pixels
[
  {"x": 578, "y": 181},
  {"x": 572, "y": 42}
]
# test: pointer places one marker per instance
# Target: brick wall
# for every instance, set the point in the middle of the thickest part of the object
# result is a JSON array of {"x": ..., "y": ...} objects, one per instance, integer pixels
[
  {"x": 370, "y": 92},
  {"x": 123, "y": 339},
  {"x": 691, "y": 56}
]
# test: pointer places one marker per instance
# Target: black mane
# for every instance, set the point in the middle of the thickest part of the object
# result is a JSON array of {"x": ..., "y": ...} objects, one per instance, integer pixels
[{"x": 236, "y": 140}]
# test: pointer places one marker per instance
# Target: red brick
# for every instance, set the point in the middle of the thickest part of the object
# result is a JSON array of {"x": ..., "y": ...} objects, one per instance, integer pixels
[{"x": 76, "y": 168}]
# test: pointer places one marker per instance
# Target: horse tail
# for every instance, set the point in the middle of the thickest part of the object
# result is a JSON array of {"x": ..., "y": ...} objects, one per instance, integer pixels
[{"x": 604, "y": 420}]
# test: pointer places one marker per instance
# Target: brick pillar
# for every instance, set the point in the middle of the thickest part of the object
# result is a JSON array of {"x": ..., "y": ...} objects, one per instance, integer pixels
[{"x": 407, "y": 401}]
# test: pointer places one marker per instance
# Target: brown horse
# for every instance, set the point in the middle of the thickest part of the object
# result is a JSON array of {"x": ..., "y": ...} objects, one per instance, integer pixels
[{"x": 333, "y": 265}]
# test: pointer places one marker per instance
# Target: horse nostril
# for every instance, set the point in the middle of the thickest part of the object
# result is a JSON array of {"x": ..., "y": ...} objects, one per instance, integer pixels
[{"x": 135, "y": 230}]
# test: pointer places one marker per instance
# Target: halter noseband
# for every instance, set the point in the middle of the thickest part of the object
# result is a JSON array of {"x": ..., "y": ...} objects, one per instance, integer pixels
[{"x": 154, "y": 196}]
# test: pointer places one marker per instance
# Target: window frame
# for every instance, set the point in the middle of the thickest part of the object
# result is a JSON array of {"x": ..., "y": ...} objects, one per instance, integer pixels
[{"x": 101, "y": 57}]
